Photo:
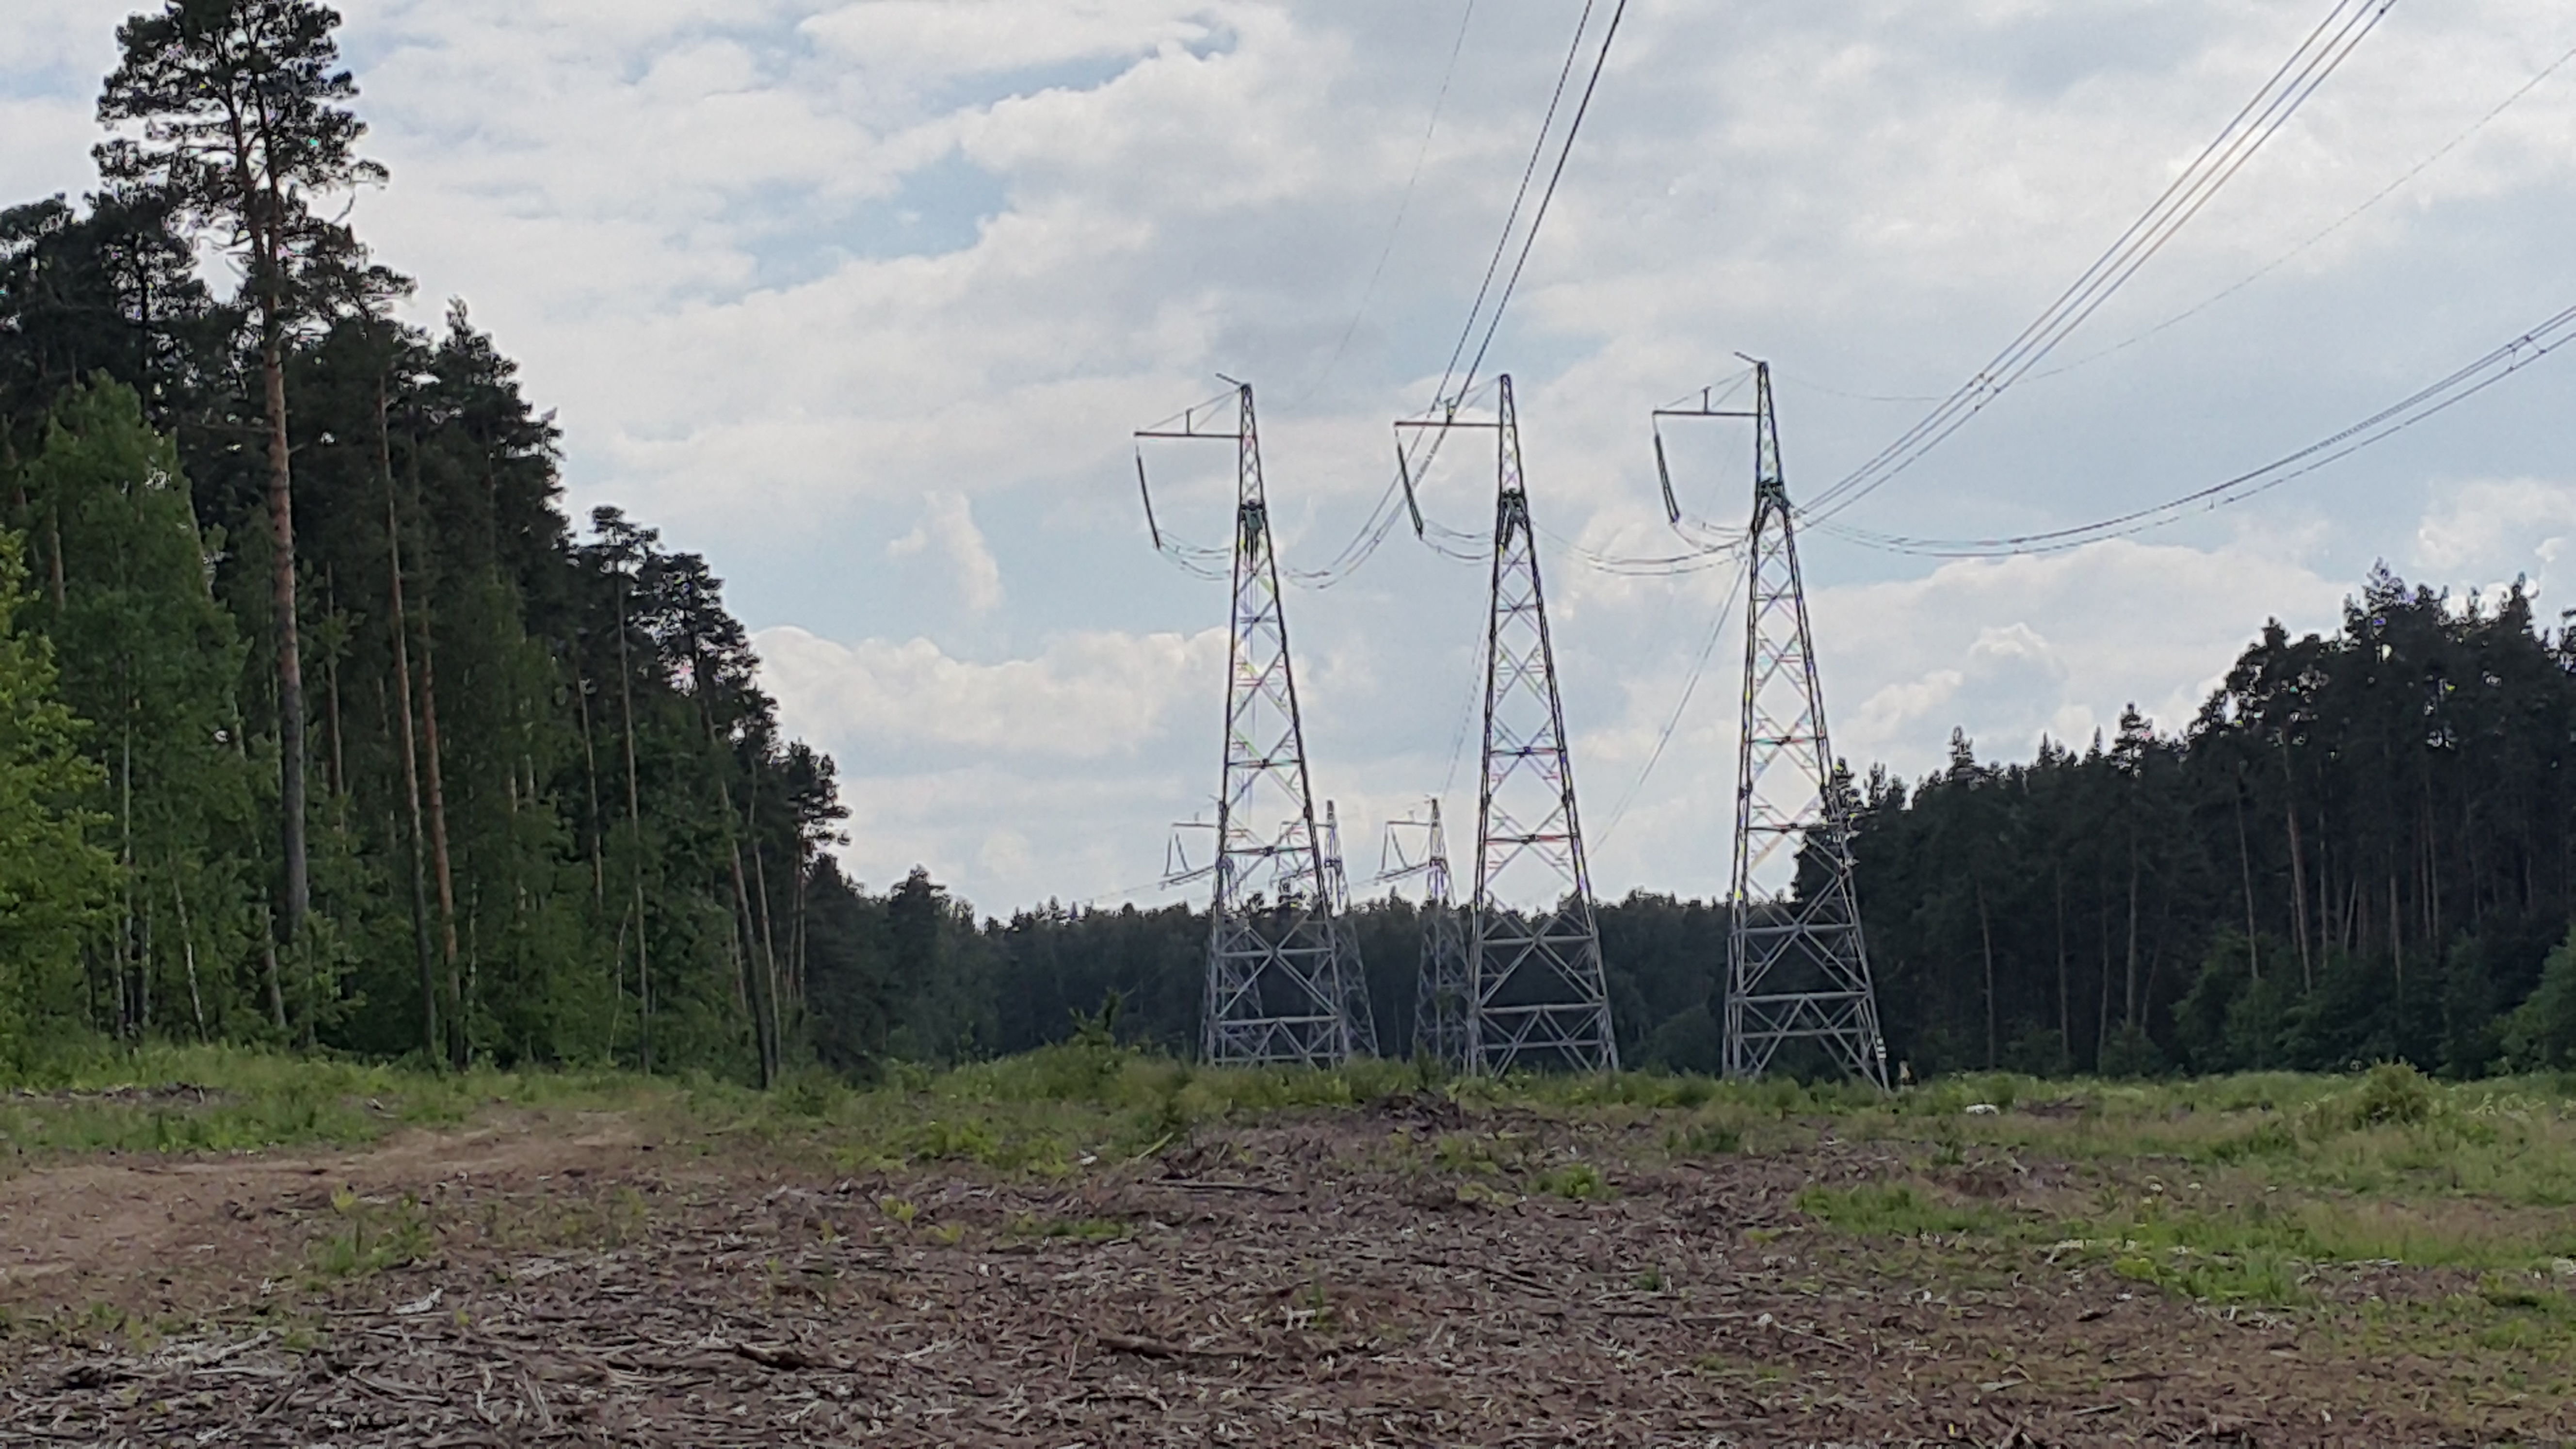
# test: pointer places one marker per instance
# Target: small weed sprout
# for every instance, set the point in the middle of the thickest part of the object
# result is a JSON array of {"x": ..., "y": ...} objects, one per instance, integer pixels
[
  {"x": 1575, "y": 1182},
  {"x": 371, "y": 1236}
]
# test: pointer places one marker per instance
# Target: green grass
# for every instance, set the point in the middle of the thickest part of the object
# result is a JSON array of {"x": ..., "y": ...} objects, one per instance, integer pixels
[
  {"x": 226, "y": 1099},
  {"x": 367, "y": 1237},
  {"x": 2252, "y": 1175},
  {"x": 1575, "y": 1182},
  {"x": 1898, "y": 1210},
  {"x": 2271, "y": 1191}
]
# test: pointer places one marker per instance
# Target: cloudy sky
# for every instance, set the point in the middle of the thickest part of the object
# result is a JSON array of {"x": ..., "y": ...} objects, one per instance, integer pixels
[{"x": 862, "y": 300}]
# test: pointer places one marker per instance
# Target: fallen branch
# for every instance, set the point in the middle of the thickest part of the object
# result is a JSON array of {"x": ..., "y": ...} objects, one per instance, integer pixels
[
  {"x": 1194, "y": 1184},
  {"x": 1156, "y": 1348},
  {"x": 788, "y": 1356}
]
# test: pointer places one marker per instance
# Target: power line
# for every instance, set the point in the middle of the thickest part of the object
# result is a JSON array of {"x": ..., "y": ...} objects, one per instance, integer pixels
[
  {"x": 1539, "y": 217},
  {"x": 1381, "y": 520},
  {"x": 1403, "y": 205},
  {"x": 1690, "y": 685},
  {"x": 2456, "y": 387},
  {"x": 1511, "y": 218},
  {"x": 2308, "y": 67},
  {"x": 2285, "y": 258}
]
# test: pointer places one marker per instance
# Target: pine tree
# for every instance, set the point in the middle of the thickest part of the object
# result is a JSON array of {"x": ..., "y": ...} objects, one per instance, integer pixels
[{"x": 242, "y": 130}]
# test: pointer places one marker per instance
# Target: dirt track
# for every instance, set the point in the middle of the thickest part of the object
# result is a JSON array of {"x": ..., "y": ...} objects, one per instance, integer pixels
[{"x": 1338, "y": 1279}]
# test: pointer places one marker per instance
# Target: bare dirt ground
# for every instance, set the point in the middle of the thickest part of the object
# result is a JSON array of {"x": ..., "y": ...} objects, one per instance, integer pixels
[{"x": 1333, "y": 1279}]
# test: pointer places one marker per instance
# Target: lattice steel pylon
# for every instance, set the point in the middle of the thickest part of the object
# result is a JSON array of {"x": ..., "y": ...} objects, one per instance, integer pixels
[
  {"x": 1441, "y": 985},
  {"x": 1337, "y": 898},
  {"x": 1536, "y": 996},
  {"x": 1797, "y": 966},
  {"x": 1278, "y": 968}
]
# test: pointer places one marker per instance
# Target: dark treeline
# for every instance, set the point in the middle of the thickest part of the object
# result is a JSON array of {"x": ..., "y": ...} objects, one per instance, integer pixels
[
  {"x": 319, "y": 725},
  {"x": 2363, "y": 849}
]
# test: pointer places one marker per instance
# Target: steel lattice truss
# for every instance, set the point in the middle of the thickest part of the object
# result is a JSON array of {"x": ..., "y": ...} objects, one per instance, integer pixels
[
  {"x": 1279, "y": 970},
  {"x": 1797, "y": 968},
  {"x": 1536, "y": 995},
  {"x": 1337, "y": 899},
  {"x": 1441, "y": 986}
]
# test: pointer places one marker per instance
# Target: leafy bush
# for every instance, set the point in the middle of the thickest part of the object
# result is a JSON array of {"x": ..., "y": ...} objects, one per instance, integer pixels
[
  {"x": 2540, "y": 1035},
  {"x": 2394, "y": 1092}
]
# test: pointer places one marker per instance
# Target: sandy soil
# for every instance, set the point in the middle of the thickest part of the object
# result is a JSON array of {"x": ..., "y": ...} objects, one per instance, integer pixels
[
  {"x": 1317, "y": 1281},
  {"x": 155, "y": 1235}
]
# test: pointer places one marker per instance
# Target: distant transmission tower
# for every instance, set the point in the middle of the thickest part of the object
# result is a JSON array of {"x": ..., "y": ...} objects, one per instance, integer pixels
[
  {"x": 1535, "y": 997},
  {"x": 1797, "y": 969},
  {"x": 1279, "y": 973},
  {"x": 1441, "y": 990},
  {"x": 1337, "y": 897}
]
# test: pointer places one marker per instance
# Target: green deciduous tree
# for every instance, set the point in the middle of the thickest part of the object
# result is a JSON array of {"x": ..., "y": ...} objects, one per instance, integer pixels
[
  {"x": 151, "y": 660},
  {"x": 55, "y": 885}
]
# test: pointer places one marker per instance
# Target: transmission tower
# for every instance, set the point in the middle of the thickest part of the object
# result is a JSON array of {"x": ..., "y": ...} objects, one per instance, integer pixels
[
  {"x": 1535, "y": 996},
  {"x": 1440, "y": 1000},
  {"x": 1278, "y": 971},
  {"x": 1797, "y": 969},
  {"x": 1337, "y": 896}
]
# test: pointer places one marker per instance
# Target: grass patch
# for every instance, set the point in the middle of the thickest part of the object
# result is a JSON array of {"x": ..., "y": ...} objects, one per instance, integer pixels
[
  {"x": 1575, "y": 1182},
  {"x": 1897, "y": 1210},
  {"x": 165, "y": 1099},
  {"x": 2250, "y": 1175},
  {"x": 368, "y": 1236}
]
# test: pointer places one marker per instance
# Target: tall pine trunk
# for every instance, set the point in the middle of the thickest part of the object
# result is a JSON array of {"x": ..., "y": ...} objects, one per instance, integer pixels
[
  {"x": 339, "y": 780},
  {"x": 2298, "y": 870},
  {"x": 296, "y": 896},
  {"x": 1986, "y": 937},
  {"x": 590, "y": 768},
  {"x": 460, "y": 1050},
  {"x": 635, "y": 826},
  {"x": 768, "y": 935},
  {"x": 2245, "y": 862},
  {"x": 2129, "y": 995},
  {"x": 429, "y": 1039},
  {"x": 2065, "y": 1012}
]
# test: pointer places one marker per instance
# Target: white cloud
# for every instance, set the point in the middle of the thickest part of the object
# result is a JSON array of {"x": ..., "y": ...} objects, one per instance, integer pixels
[
  {"x": 35, "y": 128},
  {"x": 1905, "y": 706},
  {"x": 788, "y": 268},
  {"x": 895, "y": 39},
  {"x": 2155, "y": 625},
  {"x": 1087, "y": 697},
  {"x": 60, "y": 36},
  {"x": 951, "y": 527},
  {"x": 2491, "y": 531}
]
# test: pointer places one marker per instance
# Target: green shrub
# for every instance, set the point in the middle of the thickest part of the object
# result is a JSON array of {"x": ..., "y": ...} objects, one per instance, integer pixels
[{"x": 2394, "y": 1092}]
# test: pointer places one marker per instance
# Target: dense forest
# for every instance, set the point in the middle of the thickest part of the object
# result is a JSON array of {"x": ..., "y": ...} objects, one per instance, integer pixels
[
  {"x": 2363, "y": 849},
  {"x": 322, "y": 726},
  {"x": 319, "y": 724}
]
